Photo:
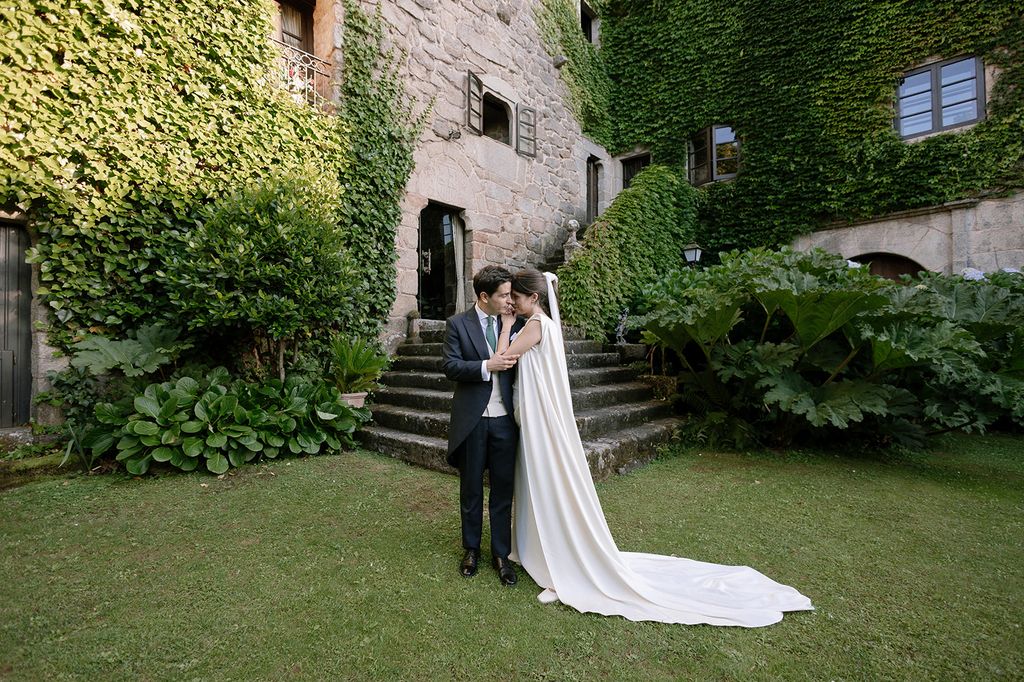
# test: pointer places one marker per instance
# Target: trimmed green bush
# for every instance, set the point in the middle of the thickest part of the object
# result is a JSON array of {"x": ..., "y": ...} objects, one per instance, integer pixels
[{"x": 268, "y": 264}]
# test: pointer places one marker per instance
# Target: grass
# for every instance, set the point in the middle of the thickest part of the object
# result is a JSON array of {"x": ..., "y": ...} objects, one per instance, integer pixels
[{"x": 344, "y": 567}]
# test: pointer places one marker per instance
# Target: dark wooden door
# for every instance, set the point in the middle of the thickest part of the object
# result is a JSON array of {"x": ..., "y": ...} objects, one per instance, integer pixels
[{"x": 15, "y": 327}]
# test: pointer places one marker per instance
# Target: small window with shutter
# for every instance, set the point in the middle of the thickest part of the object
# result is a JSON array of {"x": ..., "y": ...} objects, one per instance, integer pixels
[{"x": 491, "y": 115}]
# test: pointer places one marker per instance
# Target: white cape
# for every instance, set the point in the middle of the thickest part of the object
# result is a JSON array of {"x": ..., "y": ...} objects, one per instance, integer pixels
[{"x": 561, "y": 537}]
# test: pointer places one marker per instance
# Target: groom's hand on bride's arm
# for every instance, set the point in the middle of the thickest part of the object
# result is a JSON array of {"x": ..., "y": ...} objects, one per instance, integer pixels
[{"x": 500, "y": 362}]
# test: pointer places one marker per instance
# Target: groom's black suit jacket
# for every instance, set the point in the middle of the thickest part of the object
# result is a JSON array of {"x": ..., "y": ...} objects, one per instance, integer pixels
[{"x": 464, "y": 349}]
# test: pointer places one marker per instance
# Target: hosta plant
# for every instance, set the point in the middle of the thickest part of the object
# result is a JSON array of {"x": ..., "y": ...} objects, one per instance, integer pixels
[{"x": 218, "y": 424}]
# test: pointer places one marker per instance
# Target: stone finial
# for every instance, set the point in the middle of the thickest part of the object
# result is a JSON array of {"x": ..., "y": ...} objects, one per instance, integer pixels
[{"x": 572, "y": 245}]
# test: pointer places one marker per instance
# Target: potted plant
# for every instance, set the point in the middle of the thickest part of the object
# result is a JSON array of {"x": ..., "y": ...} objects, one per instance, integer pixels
[{"x": 356, "y": 364}]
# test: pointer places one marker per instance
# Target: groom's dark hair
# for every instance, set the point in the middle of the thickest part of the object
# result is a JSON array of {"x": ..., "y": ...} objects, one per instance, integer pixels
[{"x": 488, "y": 279}]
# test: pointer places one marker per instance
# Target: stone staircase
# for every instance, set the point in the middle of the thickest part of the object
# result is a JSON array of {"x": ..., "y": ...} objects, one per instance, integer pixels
[{"x": 619, "y": 421}]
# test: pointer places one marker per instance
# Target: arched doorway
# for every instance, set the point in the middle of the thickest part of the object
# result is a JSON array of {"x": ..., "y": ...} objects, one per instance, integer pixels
[
  {"x": 889, "y": 265},
  {"x": 441, "y": 262},
  {"x": 15, "y": 326}
]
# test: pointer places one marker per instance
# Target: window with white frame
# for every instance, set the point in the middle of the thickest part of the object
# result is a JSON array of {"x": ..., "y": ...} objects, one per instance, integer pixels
[
  {"x": 714, "y": 154},
  {"x": 940, "y": 96}
]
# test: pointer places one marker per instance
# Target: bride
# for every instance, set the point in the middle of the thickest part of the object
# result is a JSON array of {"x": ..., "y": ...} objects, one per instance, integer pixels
[{"x": 560, "y": 534}]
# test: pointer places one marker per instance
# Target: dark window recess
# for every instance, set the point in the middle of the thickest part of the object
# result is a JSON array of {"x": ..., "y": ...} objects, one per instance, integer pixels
[
  {"x": 526, "y": 134},
  {"x": 714, "y": 155},
  {"x": 496, "y": 119},
  {"x": 630, "y": 167},
  {"x": 296, "y": 25},
  {"x": 940, "y": 96},
  {"x": 593, "y": 188},
  {"x": 587, "y": 18}
]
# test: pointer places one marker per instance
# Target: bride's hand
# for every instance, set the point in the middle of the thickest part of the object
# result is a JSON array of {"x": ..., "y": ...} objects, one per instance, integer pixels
[{"x": 508, "y": 318}]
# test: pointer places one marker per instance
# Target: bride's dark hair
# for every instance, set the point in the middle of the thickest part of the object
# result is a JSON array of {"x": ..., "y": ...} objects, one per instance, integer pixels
[{"x": 531, "y": 281}]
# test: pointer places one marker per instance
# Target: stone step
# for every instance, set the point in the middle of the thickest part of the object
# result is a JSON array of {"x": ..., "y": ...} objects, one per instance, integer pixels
[
  {"x": 432, "y": 363},
  {"x": 600, "y": 376},
  {"x": 426, "y": 451},
  {"x": 596, "y": 422},
  {"x": 431, "y": 399},
  {"x": 432, "y": 335},
  {"x": 571, "y": 347},
  {"x": 615, "y": 453},
  {"x": 590, "y": 422},
  {"x": 580, "y": 378},
  {"x": 428, "y": 363},
  {"x": 625, "y": 450},
  {"x": 431, "y": 380}
]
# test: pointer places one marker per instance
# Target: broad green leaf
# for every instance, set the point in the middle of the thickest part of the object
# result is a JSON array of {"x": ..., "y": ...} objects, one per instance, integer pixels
[
  {"x": 138, "y": 465},
  {"x": 143, "y": 428},
  {"x": 147, "y": 406},
  {"x": 217, "y": 464},
  {"x": 162, "y": 454},
  {"x": 193, "y": 447},
  {"x": 216, "y": 440}
]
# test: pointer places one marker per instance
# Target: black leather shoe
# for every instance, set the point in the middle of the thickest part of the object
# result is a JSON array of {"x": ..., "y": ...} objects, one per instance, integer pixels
[
  {"x": 505, "y": 571},
  {"x": 468, "y": 566}
]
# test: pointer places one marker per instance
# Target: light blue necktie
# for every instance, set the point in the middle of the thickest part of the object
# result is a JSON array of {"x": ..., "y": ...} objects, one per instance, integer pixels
[{"x": 492, "y": 340}]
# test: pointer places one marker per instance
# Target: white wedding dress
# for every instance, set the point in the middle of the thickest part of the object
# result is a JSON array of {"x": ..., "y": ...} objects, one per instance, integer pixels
[{"x": 562, "y": 540}]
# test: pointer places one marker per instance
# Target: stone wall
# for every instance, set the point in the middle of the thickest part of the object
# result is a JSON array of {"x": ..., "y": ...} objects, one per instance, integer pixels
[
  {"x": 985, "y": 234},
  {"x": 515, "y": 208}
]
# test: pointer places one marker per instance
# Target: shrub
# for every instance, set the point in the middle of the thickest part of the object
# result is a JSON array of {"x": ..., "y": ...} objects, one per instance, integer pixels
[
  {"x": 265, "y": 264},
  {"x": 779, "y": 346},
  {"x": 635, "y": 242}
]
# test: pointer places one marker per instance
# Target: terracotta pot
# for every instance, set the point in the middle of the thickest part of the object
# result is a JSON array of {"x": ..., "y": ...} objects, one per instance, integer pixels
[{"x": 354, "y": 399}]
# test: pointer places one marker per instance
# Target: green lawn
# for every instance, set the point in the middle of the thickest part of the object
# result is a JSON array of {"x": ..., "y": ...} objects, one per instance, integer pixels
[{"x": 344, "y": 567}]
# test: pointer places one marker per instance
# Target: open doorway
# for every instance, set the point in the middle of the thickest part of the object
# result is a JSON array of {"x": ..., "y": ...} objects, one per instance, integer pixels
[{"x": 441, "y": 262}]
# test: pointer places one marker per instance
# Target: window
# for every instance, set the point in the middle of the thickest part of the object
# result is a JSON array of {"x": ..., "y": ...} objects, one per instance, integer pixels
[
  {"x": 496, "y": 117},
  {"x": 593, "y": 188},
  {"x": 296, "y": 25},
  {"x": 490, "y": 115},
  {"x": 940, "y": 96},
  {"x": 305, "y": 76},
  {"x": 588, "y": 22},
  {"x": 630, "y": 167},
  {"x": 714, "y": 155}
]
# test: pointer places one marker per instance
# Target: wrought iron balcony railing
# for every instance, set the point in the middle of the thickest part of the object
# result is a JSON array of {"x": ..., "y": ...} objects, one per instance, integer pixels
[{"x": 306, "y": 78}]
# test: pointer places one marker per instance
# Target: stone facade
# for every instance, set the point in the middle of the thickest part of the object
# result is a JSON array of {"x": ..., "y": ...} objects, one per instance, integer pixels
[
  {"x": 985, "y": 234},
  {"x": 514, "y": 208}
]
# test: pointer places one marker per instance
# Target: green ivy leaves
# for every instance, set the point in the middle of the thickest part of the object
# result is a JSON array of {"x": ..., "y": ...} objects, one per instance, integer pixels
[{"x": 123, "y": 121}]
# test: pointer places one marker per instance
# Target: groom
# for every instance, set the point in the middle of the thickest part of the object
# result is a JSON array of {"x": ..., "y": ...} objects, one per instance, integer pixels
[{"x": 482, "y": 433}]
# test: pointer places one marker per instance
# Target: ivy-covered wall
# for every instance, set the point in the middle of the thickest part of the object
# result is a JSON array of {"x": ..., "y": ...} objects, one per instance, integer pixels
[
  {"x": 119, "y": 120},
  {"x": 810, "y": 89}
]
